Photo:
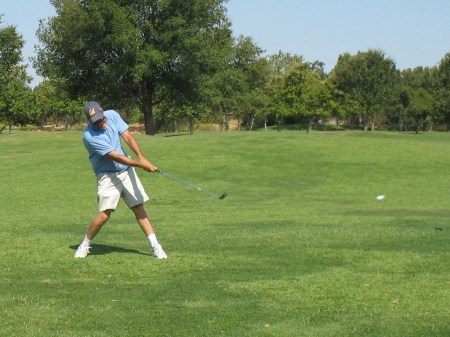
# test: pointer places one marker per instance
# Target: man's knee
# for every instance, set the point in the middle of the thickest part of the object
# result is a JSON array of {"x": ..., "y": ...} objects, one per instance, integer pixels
[
  {"x": 105, "y": 215},
  {"x": 137, "y": 207},
  {"x": 139, "y": 211}
]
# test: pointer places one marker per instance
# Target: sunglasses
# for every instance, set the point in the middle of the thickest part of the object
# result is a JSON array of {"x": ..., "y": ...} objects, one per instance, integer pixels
[{"x": 99, "y": 122}]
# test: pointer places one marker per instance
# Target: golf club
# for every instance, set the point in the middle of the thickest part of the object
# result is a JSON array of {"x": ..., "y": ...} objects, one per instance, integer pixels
[{"x": 217, "y": 196}]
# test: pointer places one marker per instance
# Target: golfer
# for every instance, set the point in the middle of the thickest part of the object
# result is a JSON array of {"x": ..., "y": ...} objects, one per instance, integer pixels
[{"x": 116, "y": 176}]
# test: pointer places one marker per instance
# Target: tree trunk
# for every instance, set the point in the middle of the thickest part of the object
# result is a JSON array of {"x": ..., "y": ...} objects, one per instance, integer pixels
[
  {"x": 224, "y": 122},
  {"x": 310, "y": 123},
  {"x": 44, "y": 120},
  {"x": 252, "y": 122},
  {"x": 211, "y": 124},
  {"x": 66, "y": 121},
  {"x": 191, "y": 126},
  {"x": 148, "y": 118},
  {"x": 147, "y": 108}
]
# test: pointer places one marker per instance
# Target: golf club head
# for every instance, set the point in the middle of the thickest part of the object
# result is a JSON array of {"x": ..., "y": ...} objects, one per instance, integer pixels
[{"x": 223, "y": 196}]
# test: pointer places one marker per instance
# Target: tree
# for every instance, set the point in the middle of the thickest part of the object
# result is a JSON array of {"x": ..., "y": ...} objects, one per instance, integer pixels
[
  {"x": 254, "y": 73},
  {"x": 416, "y": 97},
  {"x": 46, "y": 103},
  {"x": 317, "y": 99},
  {"x": 52, "y": 102},
  {"x": 281, "y": 63},
  {"x": 15, "y": 95},
  {"x": 370, "y": 80},
  {"x": 299, "y": 90},
  {"x": 133, "y": 53},
  {"x": 417, "y": 105},
  {"x": 442, "y": 89}
]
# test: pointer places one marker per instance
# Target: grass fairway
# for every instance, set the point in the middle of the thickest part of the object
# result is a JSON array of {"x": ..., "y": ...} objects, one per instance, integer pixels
[{"x": 299, "y": 248}]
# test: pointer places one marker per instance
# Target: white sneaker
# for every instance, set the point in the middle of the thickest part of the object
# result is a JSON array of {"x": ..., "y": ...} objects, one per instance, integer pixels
[
  {"x": 159, "y": 252},
  {"x": 82, "y": 251}
]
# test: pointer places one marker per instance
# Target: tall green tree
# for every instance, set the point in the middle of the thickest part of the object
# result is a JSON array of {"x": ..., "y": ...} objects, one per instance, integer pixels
[
  {"x": 281, "y": 64},
  {"x": 370, "y": 80},
  {"x": 15, "y": 95},
  {"x": 299, "y": 90},
  {"x": 317, "y": 99},
  {"x": 416, "y": 97},
  {"x": 53, "y": 103},
  {"x": 224, "y": 88},
  {"x": 229, "y": 86},
  {"x": 254, "y": 74},
  {"x": 133, "y": 53},
  {"x": 442, "y": 89}
]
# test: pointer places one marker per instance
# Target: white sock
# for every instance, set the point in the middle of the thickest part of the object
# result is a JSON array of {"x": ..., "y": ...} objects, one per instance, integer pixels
[
  {"x": 153, "y": 240},
  {"x": 86, "y": 241}
]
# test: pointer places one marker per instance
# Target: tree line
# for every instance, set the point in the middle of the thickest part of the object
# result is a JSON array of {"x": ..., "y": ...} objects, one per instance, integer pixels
[{"x": 169, "y": 62}]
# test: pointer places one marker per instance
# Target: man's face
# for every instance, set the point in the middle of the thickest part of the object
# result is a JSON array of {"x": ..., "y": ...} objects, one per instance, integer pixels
[{"x": 100, "y": 124}]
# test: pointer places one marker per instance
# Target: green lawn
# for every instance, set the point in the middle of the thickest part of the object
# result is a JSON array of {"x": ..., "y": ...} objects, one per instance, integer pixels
[{"x": 300, "y": 247}]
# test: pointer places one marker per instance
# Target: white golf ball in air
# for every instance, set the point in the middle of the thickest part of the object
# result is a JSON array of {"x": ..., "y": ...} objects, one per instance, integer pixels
[{"x": 380, "y": 197}]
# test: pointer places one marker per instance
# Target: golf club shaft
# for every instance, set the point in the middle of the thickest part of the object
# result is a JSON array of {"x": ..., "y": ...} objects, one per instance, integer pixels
[{"x": 191, "y": 185}]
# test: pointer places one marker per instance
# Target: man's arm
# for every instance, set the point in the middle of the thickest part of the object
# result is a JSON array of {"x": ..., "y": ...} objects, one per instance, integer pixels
[
  {"x": 132, "y": 143},
  {"x": 142, "y": 162}
]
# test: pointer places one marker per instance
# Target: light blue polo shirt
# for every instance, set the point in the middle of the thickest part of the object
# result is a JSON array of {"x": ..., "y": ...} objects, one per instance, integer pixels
[{"x": 100, "y": 142}]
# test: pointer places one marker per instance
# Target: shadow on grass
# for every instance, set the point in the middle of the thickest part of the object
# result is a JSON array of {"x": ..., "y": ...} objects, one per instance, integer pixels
[
  {"x": 98, "y": 249},
  {"x": 440, "y": 213},
  {"x": 177, "y": 134}
]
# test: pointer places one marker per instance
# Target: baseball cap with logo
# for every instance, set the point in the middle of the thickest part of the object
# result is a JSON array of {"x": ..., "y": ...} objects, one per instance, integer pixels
[{"x": 93, "y": 111}]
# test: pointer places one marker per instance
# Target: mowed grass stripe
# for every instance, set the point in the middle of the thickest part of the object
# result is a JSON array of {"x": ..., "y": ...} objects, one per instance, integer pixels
[{"x": 300, "y": 247}]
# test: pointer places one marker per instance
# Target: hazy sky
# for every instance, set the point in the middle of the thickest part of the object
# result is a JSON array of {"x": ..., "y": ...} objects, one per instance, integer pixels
[{"x": 411, "y": 32}]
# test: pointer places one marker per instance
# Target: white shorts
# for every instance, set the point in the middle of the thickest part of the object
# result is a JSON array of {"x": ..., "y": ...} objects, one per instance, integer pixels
[{"x": 112, "y": 186}]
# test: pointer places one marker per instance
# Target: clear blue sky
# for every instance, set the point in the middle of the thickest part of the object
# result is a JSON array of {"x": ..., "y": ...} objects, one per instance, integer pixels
[{"x": 411, "y": 32}]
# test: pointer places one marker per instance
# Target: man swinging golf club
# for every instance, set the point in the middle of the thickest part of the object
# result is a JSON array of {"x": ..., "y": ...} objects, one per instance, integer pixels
[{"x": 116, "y": 176}]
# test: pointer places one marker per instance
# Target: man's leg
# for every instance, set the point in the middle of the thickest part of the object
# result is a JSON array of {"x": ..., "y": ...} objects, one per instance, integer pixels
[
  {"x": 144, "y": 221},
  {"x": 96, "y": 224},
  {"x": 94, "y": 227}
]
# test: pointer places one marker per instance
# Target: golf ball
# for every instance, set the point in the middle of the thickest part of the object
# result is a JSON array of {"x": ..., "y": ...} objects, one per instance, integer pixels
[{"x": 380, "y": 197}]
